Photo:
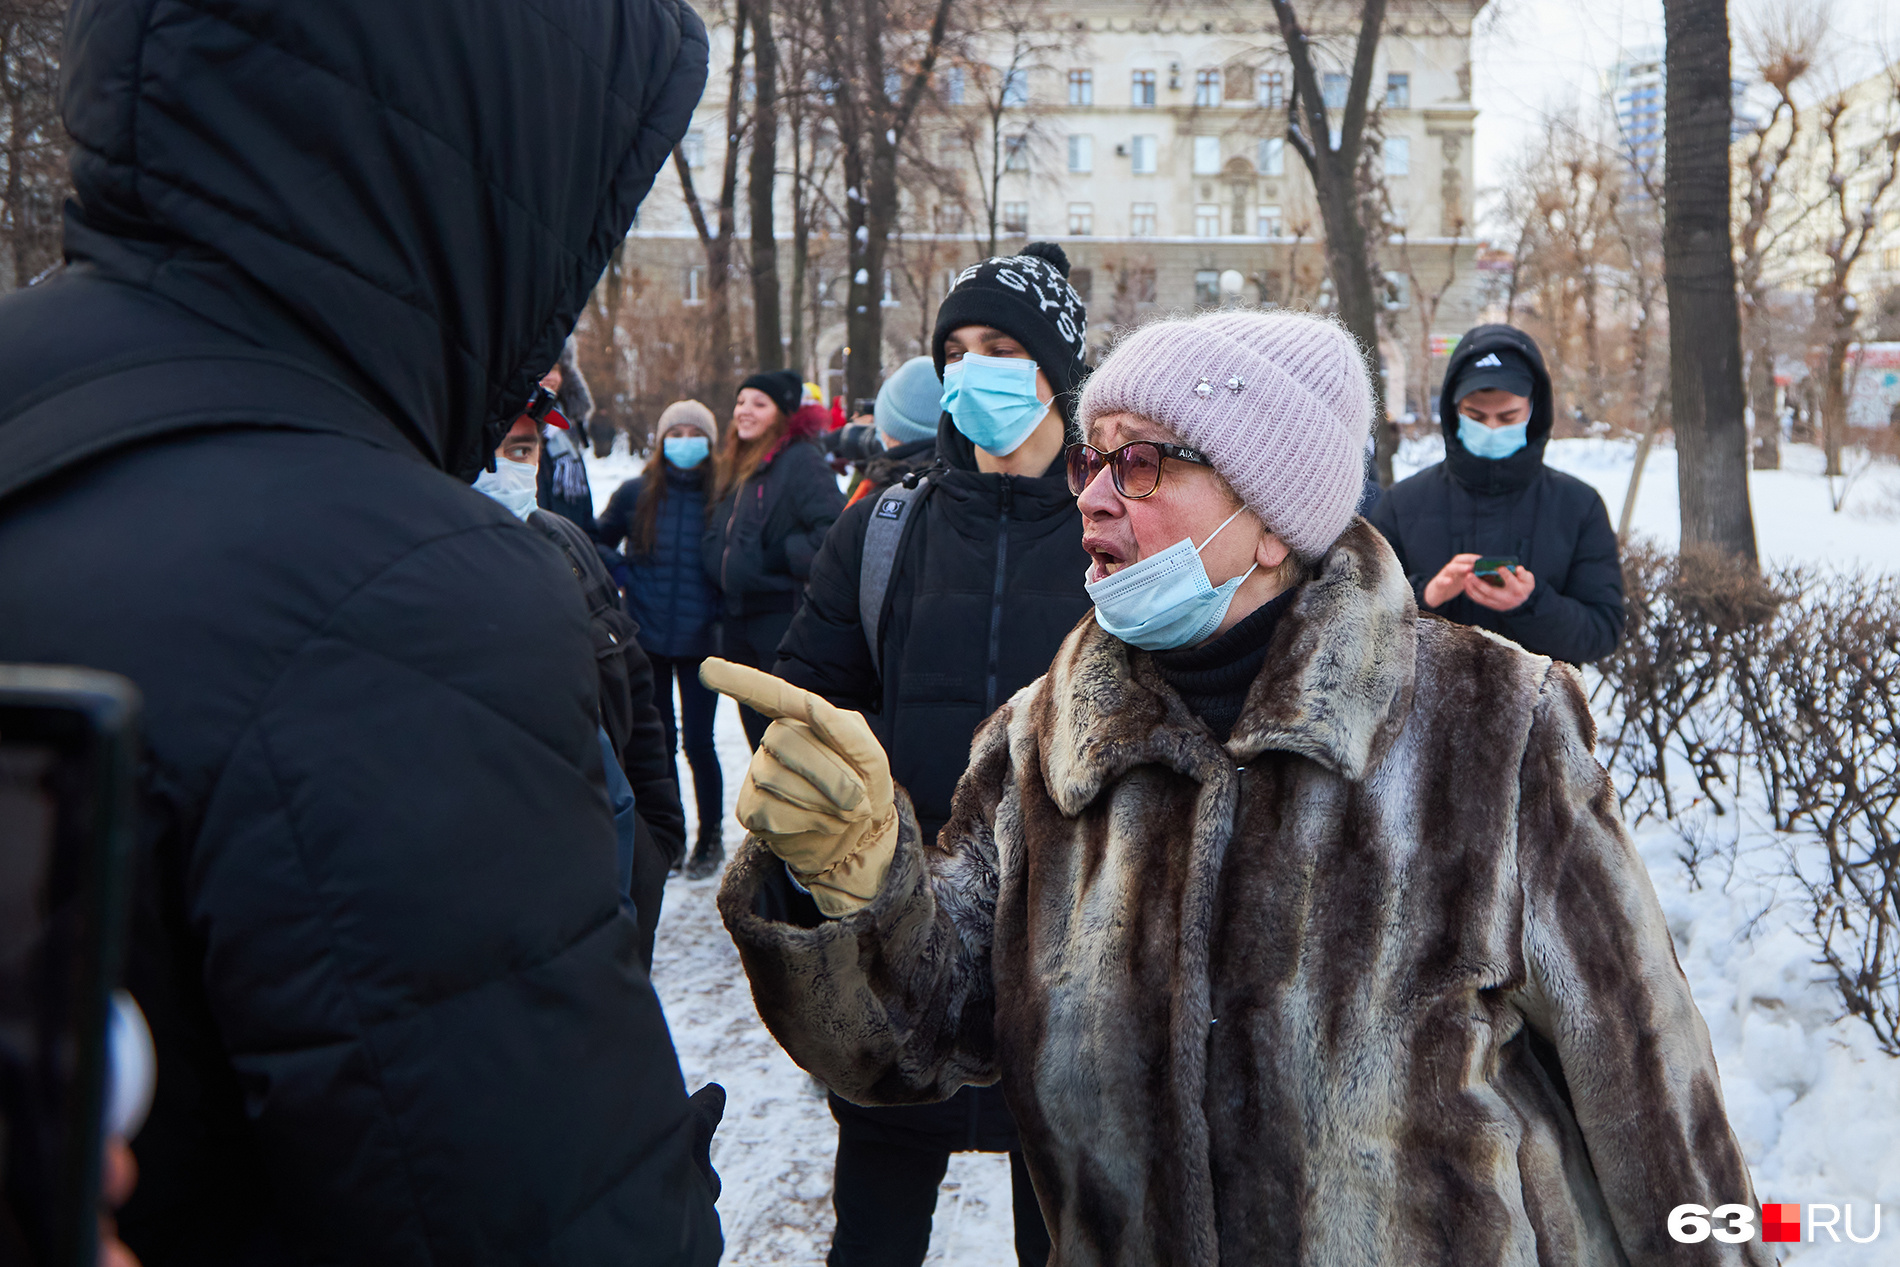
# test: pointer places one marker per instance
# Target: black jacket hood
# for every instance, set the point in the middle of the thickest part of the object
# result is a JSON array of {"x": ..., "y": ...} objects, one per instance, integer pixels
[
  {"x": 418, "y": 195},
  {"x": 1488, "y": 475}
]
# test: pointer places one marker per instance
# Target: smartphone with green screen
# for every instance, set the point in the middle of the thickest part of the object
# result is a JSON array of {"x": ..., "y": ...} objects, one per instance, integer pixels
[{"x": 1487, "y": 569}]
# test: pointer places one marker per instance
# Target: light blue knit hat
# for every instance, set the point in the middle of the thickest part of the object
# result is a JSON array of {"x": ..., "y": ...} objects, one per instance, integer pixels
[{"x": 910, "y": 402}]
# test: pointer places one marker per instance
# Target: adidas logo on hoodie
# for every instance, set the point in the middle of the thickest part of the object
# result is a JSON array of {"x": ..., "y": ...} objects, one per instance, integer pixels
[{"x": 1488, "y": 359}]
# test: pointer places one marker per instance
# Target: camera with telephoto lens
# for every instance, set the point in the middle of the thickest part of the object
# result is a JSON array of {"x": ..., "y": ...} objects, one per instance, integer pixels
[{"x": 856, "y": 442}]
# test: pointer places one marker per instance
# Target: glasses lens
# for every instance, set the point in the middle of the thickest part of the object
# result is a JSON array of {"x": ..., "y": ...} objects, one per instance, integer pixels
[
  {"x": 1137, "y": 469},
  {"x": 1084, "y": 465}
]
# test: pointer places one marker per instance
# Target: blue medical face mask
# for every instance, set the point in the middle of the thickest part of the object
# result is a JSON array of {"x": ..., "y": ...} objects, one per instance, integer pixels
[
  {"x": 993, "y": 402},
  {"x": 511, "y": 484},
  {"x": 1166, "y": 600},
  {"x": 1492, "y": 443},
  {"x": 686, "y": 452}
]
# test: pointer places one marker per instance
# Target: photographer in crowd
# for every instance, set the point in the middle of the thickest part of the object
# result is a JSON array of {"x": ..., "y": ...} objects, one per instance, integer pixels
[
  {"x": 1288, "y": 944},
  {"x": 973, "y": 576},
  {"x": 1491, "y": 536}
]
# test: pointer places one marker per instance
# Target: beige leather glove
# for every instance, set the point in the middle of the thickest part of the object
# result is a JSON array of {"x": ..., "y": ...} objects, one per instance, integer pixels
[{"x": 818, "y": 791}]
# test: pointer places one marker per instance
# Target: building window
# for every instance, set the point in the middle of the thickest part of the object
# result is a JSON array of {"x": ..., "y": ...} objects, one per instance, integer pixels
[
  {"x": 1398, "y": 155},
  {"x": 893, "y": 85},
  {"x": 1332, "y": 90},
  {"x": 1207, "y": 87},
  {"x": 1015, "y": 153},
  {"x": 1082, "y": 281},
  {"x": 1081, "y": 219},
  {"x": 693, "y": 146},
  {"x": 1081, "y": 87},
  {"x": 953, "y": 85},
  {"x": 1015, "y": 217},
  {"x": 1081, "y": 153},
  {"x": 1398, "y": 92},
  {"x": 889, "y": 298},
  {"x": 1271, "y": 89},
  {"x": 1207, "y": 288},
  {"x": 1272, "y": 160},
  {"x": 695, "y": 287},
  {"x": 1142, "y": 92},
  {"x": 1207, "y": 156},
  {"x": 1270, "y": 222},
  {"x": 1016, "y": 88},
  {"x": 947, "y": 218},
  {"x": 1142, "y": 150},
  {"x": 1207, "y": 220},
  {"x": 1141, "y": 220}
]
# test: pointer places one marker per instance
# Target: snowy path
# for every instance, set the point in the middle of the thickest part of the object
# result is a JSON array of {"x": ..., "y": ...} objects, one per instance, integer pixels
[{"x": 1816, "y": 1106}]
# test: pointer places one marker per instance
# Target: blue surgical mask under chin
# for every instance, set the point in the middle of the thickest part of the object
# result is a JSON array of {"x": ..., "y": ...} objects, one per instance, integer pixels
[
  {"x": 686, "y": 452},
  {"x": 1492, "y": 443},
  {"x": 511, "y": 484},
  {"x": 993, "y": 402},
  {"x": 1166, "y": 600}
]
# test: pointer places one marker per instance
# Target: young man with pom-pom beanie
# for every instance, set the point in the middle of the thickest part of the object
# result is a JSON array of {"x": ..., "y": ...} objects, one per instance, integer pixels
[
  {"x": 986, "y": 581},
  {"x": 1299, "y": 928}
]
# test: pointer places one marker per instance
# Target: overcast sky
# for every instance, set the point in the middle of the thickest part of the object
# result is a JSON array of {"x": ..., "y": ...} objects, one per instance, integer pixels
[{"x": 1531, "y": 58}]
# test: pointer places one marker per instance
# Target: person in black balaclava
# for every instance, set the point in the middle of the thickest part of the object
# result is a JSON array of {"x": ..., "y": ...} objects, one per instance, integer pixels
[{"x": 1491, "y": 536}]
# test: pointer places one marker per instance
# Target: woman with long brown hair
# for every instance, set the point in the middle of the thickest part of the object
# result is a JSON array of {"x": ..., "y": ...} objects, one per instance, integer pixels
[
  {"x": 657, "y": 519},
  {"x": 775, "y": 501}
]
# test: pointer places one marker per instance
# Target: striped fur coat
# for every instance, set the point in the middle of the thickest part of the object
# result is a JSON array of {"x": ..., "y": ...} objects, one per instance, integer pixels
[{"x": 1379, "y": 981}]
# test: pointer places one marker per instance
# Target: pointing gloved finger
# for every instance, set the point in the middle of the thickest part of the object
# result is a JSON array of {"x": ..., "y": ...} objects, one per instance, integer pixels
[
  {"x": 794, "y": 787},
  {"x": 756, "y": 689},
  {"x": 795, "y": 748},
  {"x": 763, "y": 812}
]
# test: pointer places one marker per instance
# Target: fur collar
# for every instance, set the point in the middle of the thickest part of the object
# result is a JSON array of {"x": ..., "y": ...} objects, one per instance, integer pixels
[{"x": 1336, "y": 686}]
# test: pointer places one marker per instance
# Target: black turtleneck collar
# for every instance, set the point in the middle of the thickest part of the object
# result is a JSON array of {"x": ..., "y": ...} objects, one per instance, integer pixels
[{"x": 1213, "y": 679}]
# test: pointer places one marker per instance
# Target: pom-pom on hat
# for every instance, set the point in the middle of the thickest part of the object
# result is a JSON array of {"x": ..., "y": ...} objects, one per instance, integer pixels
[
  {"x": 1279, "y": 402},
  {"x": 1028, "y": 297}
]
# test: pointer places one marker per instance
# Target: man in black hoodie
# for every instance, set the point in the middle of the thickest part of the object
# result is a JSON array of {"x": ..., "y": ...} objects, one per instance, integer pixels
[
  {"x": 1560, "y": 593},
  {"x": 318, "y": 258},
  {"x": 985, "y": 582}
]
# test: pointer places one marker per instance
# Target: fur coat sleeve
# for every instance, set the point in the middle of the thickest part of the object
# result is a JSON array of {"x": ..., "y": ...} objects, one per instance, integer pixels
[
  {"x": 894, "y": 1004},
  {"x": 1604, "y": 989}
]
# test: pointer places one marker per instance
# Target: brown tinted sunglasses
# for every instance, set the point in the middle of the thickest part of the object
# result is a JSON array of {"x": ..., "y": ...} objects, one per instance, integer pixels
[{"x": 1135, "y": 467}]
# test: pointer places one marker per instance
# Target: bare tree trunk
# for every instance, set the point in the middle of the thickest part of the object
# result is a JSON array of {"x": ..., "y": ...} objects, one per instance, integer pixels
[
  {"x": 1334, "y": 170},
  {"x": 1705, "y": 344},
  {"x": 1761, "y": 396},
  {"x": 770, "y": 349},
  {"x": 1834, "y": 395}
]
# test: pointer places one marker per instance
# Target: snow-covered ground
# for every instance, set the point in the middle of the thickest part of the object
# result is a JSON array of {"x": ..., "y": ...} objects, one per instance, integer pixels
[{"x": 1816, "y": 1105}]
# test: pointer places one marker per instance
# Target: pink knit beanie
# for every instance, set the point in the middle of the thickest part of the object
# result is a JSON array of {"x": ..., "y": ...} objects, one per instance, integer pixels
[{"x": 1278, "y": 401}]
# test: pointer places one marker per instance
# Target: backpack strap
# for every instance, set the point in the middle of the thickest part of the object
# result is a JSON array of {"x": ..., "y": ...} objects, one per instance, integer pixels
[
  {"x": 113, "y": 405},
  {"x": 883, "y": 537}
]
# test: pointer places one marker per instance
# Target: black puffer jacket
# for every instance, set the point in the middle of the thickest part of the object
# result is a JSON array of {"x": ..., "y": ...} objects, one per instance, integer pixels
[
  {"x": 987, "y": 584},
  {"x": 761, "y": 537},
  {"x": 1554, "y": 523},
  {"x": 400, "y": 1017}
]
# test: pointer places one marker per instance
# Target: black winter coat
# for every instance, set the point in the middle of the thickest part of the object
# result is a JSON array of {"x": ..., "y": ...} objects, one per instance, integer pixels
[
  {"x": 1554, "y": 523},
  {"x": 669, "y": 594},
  {"x": 988, "y": 582},
  {"x": 761, "y": 538},
  {"x": 399, "y": 1015}
]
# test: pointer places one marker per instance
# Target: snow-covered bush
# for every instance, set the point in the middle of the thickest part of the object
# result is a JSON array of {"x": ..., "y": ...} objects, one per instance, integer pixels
[{"x": 1790, "y": 684}]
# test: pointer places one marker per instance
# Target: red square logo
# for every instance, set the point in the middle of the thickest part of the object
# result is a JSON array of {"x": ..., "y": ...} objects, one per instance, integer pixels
[{"x": 1781, "y": 1222}]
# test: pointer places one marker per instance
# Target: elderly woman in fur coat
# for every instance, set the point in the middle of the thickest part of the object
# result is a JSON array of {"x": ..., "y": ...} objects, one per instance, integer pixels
[{"x": 1297, "y": 928}]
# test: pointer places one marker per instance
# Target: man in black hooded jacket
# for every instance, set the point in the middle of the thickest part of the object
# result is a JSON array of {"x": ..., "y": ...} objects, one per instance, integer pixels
[
  {"x": 319, "y": 256},
  {"x": 1565, "y": 599},
  {"x": 986, "y": 582}
]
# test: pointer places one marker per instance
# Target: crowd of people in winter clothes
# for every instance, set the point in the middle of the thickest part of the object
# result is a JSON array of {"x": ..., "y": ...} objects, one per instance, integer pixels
[{"x": 1129, "y": 792}]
